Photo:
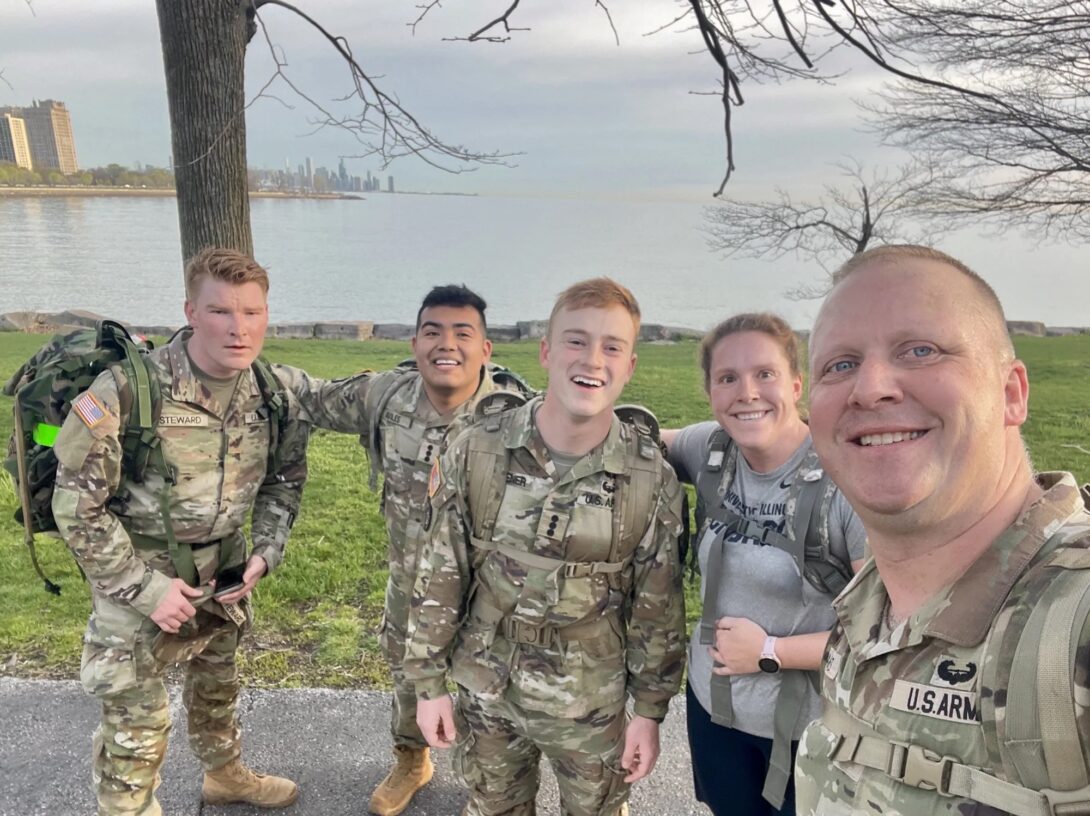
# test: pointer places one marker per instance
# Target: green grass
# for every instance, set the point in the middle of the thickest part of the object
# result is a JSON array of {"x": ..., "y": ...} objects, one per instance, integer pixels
[{"x": 316, "y": 618}]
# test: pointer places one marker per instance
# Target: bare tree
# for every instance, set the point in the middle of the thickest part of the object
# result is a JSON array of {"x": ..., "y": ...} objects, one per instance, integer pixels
[
  {"x": 864, "y": 209},
  {"x": 204, "y": 47},
  {"x": 1018, "y": 149},
  {"x": 773, "y": 40}
]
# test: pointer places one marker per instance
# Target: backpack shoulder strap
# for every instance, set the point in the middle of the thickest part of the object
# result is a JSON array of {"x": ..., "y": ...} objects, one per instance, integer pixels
[
  {"x": 486, "y": 468},
  {"x": 1031, "y": 651},
  {"x": 808, "y": 506},
  {"x": 276, "y": 404},
  {"x": 141, "y": 402},
  {"x": 637, "y": 491},
  {"x": 379, "y": 394}
]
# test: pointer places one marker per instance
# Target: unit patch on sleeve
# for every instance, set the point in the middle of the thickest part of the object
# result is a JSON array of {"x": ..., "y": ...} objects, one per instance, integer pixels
[
  {"x": 937, "y": 702},
  {"x": 435, "y": 480},
  {"x": 90, "y": 409}
]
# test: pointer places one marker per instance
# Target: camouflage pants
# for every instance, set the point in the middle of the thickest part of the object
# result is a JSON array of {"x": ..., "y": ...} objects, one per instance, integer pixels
[
  {"x": 125, "y": 673},
  {"x": 395, "y": 625},
  {"x": 497, "y": 758}
]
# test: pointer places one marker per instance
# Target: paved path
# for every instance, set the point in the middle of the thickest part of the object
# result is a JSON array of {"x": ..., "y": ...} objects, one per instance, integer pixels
[{"x": 334, "y": 743}]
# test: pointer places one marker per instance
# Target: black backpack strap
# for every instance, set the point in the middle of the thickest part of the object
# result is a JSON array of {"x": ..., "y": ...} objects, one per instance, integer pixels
[{"x": 276, "y": 407}]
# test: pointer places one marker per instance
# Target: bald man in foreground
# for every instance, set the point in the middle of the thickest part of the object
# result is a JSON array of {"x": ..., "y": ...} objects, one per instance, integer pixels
[{"x": 958, "y": 677}]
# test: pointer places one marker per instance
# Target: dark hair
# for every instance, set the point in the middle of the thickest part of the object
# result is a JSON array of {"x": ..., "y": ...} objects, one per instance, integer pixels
[
  {"x": 453, "y": 295},
  {"x": 772, "y": 325}
]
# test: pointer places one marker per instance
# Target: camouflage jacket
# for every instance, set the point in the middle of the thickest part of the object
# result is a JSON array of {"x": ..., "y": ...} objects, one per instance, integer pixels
[
  {"x": 412, "y": 435},
  {"x": 925, "y": 682},
  {"x": 561, "y": 645},
  {"x": 219, "y": 457}
]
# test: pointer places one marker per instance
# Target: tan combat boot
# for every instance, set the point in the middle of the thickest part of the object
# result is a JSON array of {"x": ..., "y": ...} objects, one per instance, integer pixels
[
  {"x": 412, "y": 771},
  {"x": 234, "y": 782}
]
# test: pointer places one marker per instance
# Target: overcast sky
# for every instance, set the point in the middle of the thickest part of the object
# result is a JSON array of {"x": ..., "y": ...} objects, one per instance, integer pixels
[
  {"x": 589, "y": 117},
  {"x": 586, "y": 114}
]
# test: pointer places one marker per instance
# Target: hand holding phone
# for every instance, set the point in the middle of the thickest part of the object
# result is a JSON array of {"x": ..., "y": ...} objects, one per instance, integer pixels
[{"x": 229, "y": 580}]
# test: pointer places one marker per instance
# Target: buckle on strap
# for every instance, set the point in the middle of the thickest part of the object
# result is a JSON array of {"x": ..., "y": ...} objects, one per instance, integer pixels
[
  {"x": 916, "y": 766},
  {"x": 1069, "y": 802},
  {"x": 518, "y": 632}
]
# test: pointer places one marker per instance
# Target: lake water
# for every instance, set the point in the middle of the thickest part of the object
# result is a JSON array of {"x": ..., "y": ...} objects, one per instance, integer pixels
[{"x": 375, "y": 259}]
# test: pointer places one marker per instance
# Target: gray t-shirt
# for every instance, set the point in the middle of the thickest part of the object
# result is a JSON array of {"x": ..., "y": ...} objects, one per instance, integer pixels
[{"x": 759, "y": 582}]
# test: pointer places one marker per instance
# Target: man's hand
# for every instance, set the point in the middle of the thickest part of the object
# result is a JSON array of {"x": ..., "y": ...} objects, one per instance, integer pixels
[
  {"x": 435, "y": 718},
  {"x": 175, "y": 609},
  {"x": 255, "y": 570},
  {"x": 738, "y": 644},
  {"x": 641, "y": 748}
]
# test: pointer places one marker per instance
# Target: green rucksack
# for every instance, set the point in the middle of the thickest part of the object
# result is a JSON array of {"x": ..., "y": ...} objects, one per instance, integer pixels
[{"x": 44, "y": 387}]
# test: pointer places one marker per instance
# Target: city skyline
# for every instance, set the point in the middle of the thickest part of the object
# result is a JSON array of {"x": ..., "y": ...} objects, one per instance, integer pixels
[{"x": 582, "y": 116}]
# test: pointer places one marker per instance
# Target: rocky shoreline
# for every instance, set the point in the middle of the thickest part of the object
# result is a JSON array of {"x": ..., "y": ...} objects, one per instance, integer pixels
[{"x": 52, "y": 322}]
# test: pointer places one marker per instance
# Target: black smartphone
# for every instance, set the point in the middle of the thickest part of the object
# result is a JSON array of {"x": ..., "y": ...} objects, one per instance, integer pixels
[{"x": 228, "y": 580}]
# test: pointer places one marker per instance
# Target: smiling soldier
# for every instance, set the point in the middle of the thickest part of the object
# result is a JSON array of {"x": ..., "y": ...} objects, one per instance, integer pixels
[
  {"x": 550, "y": 586},
  {"x": 957, "y": 678},
  {"x": 403, "y": 417}
]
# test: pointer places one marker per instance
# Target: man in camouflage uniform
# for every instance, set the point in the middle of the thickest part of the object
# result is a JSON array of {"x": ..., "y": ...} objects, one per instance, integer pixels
[
  {"x": 550, "y": 586},
  {"x": 917, "y": 401},
  {"x": 402, "y": 417},
  {"x": 214, "y": 435}
]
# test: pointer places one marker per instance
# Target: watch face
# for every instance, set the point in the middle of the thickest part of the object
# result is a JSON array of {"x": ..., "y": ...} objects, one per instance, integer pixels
[{"x": 768, "y": 665}]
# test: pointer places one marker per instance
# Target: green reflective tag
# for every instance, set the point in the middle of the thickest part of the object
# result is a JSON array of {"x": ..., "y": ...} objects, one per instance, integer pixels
[{"x": 45, "y": 434}]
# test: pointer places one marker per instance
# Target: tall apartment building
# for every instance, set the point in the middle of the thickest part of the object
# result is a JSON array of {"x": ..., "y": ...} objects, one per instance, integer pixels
[
  {"x": 49, "y": 135},
  {"x": 14, "y": 146}
]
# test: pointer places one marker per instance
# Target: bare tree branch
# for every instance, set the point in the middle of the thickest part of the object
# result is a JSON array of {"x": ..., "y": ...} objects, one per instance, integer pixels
[
  {"x": 425, "y": 8},
  {"x": 383, "y": 127},
  {"x": 1019, "y": 151},
  {"x": 880, "y": 207}
]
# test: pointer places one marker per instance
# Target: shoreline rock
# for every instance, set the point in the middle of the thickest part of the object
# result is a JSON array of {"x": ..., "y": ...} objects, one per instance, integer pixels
[{"x": 362, "y": 330}]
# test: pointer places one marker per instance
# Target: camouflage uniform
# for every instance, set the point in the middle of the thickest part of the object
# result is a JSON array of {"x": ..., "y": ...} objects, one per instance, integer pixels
[
  {"x": 544, "y": 638},
  {"x": 412, "y": 435},
  {"x": 116, "y": 531},
  {"x": 925, "y": 683}
]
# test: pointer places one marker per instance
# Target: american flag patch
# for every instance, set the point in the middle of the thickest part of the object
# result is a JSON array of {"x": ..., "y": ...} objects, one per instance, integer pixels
[{"x": 89, "y": 409}]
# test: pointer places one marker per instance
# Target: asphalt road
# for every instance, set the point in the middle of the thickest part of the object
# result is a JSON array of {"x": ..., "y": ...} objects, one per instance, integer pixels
[{"x": 335, "y": 744}]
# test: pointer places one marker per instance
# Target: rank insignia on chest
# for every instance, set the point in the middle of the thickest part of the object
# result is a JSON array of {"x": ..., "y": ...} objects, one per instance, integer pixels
[
  {"x": 435, "y": 480},
  {"x": 90, "y": 409}
]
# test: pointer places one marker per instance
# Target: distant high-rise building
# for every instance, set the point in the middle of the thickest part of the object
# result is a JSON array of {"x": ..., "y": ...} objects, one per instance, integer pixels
[
  {"x": 310, "y": 172},
  {"x": 14, "y": 146},
  {"x": 49, "y": 134},
  {"x": 342, "y": 175},
  {"x": 389, "y": 184}
]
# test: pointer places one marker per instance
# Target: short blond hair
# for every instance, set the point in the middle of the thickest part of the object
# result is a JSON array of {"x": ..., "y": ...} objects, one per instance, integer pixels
[
  {"x": 993, "y": 309},
  {"x": 596, "y": 293},
  {"x": 228, "y": 265}
]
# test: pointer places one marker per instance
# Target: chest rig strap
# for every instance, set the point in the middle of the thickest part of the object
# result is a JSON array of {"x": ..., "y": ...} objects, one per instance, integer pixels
[{"x": 914, "y": 765}]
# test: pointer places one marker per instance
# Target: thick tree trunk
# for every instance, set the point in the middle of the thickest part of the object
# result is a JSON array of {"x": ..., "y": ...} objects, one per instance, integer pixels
[{"x": 204, "y": 47}]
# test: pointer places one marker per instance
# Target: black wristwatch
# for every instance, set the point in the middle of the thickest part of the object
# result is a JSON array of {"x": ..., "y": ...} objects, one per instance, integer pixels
[{"x": 768, "y": 662}]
